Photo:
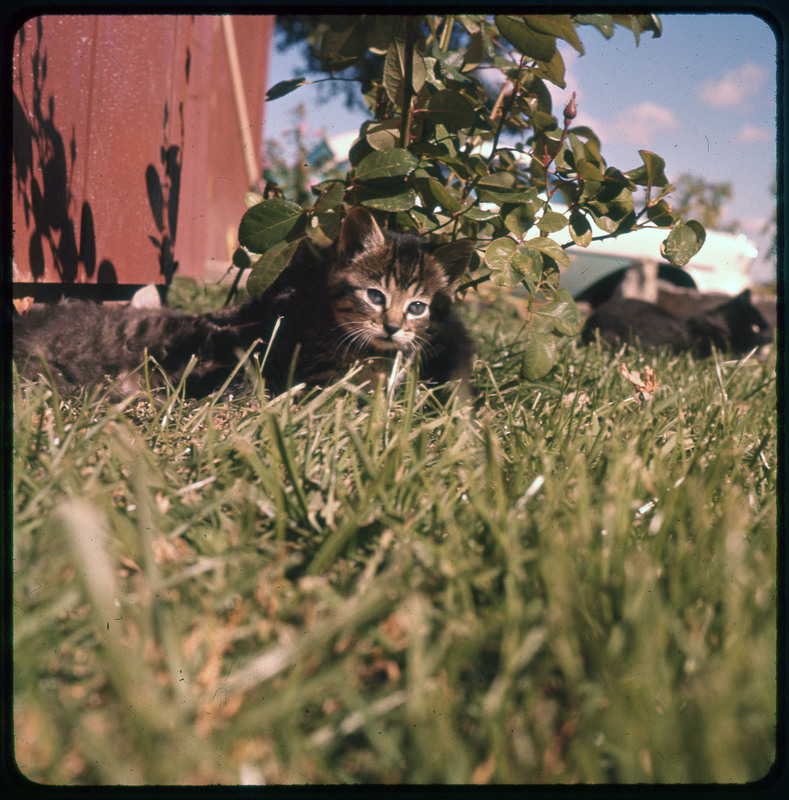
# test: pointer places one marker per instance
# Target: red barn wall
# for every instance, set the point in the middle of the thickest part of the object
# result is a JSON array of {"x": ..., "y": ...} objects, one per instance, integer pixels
[{"x": 129, "y": 163}]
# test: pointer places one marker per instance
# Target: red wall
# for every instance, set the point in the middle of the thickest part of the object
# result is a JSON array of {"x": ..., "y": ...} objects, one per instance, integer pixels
[{"x": 127, "y": 151}]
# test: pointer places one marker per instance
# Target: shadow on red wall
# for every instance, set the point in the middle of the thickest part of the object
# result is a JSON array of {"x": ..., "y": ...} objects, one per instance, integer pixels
[{"x": 128, "y": 155}]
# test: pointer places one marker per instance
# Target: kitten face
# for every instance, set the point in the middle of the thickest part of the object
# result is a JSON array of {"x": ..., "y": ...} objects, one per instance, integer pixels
[
  {"x": 376, "y": 312},
  {"x": 389, "y": 291},
  {"x": 394, "y": 316}
]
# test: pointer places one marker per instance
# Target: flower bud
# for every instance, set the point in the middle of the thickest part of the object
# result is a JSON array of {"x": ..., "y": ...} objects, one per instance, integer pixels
[{"x": 570, "y": 109}]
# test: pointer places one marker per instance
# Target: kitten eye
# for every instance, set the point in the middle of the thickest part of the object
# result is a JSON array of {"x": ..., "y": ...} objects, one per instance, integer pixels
[
  {"x": 376, "y": 298},
  {"x": 417, "y": 308}
]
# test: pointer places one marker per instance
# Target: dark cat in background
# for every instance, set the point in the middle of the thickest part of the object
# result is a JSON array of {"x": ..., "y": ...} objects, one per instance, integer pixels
[
  {"x": 735, "y": 326},
  {"x": 373, "y": 294}
]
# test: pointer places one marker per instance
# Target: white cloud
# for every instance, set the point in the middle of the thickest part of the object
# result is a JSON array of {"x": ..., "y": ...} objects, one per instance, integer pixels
[
  {"x": 734, "y": 88},
  {"x": 640, "y": 123},
  {"x": 751, "y": 134}
]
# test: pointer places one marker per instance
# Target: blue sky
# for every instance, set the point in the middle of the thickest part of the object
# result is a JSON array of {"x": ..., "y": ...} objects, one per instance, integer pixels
[{"x": 702, "y": 96}]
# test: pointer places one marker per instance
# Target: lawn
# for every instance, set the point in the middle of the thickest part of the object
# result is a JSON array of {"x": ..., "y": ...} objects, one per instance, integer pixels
[{"x": 565, "y": 581}]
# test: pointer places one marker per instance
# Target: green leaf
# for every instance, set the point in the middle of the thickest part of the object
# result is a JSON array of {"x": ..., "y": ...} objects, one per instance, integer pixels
[
  {"x": 268, "y": 223},
  {"x": 559, "y": 25},
  {"x": 540, "y": 354},
  {"x": 545, "y": 122},
  {"x": 553, "y": 69},
  {"x": 563, "y": 314},
  {"x": 394, "y": 72},
  {"x": 477, "y": 164},
  {"x": 434, "y": 193},
  {"x": 580, "y": 229},
  {"x": 651, "y": 173},
  {"x": 328, "y": 225},
  {"x": 452, "y": 109},
  {"x": 651, "y": 22},
  {"x": 655, "y": 168},
  {"x": 603, "y": 22},
  {"x": 660, "y": 214},
  {"x": 284, "y": 87},
  {"x": 384, "y": 135},
  {"x": 473, "y": 23},
  {"x": 390, "y": 163},
  {"x": 446, "y": 138},
  {"x": 510, "y": 263},
  {"x": 330, "y": 197},
  {"x": 612, "y": 208},
  {"x": 360, "y": 149},
  {"x": 591, "y": 139},
  {"x": 447, "y": 68},
  {"x": 500, "y": 198},
  {"x": 550, "y": 248},
  {"x": 380, "y": 30},
  {"x": 638, "y": 23},
  {"x": 526, "y": 39},
  {"x": 583, "y": 152},
  {"x": 500, "y": 252},
  {"x": 342, "y": 45},
  {"x": 498, "y": 181},
  {"x": 475, "y": 52},
  {"x": 241, "y": 258},
  {"x": 458, "y": 164},
  {"x": 479, "y": 215},
  {"x": 500, "y": 189},
  {"x": 415, "y": 219},
  {"x": 617, "y": 181},
  {"x": 589, "y": 172},
  {"x": 684, "y": 241},
  {"x": 382, "y": 200},
  {"x": 268, "y": 267},
  {"x": 519, "y": 219},
  {"x": 552, "y": 221}
]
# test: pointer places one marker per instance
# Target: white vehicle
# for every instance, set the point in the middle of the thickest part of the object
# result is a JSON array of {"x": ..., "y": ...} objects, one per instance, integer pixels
[{"x": 722, "y": 264}]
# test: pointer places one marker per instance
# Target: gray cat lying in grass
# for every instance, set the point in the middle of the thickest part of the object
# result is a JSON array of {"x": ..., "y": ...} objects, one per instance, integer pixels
[
  {"x": 375, "y": 293},
  {"x": 735, "y": 326}
]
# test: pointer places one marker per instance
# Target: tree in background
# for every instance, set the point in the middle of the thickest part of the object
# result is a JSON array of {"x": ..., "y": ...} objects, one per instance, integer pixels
[
  {"x": 463, "y": 141},
  {"x": 695, "y": 197}
]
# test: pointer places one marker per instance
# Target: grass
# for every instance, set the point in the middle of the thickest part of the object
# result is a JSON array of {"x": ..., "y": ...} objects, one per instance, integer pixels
[{"x": 567, "y": 584}]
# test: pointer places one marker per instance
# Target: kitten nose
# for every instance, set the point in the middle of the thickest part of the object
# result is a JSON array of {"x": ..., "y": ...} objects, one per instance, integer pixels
[{"x": 391, "y": 328}]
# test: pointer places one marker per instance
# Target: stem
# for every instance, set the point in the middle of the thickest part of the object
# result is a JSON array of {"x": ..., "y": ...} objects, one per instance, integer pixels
[
  {"x": 431, "y": 23},
  {"x": 473, "y": 283},
  {"x": 473, "y": 141},
  {"x": 613, "y": 235},
  {"x": 408, "y": 82},
  {"x": 516, "y": 85},
  {"x": 446, "y": 34},
  {"x": 548, "y": 160}
]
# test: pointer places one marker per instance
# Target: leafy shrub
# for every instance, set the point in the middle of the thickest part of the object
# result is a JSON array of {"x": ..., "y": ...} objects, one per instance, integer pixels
[{"x": 433, "y": 159}]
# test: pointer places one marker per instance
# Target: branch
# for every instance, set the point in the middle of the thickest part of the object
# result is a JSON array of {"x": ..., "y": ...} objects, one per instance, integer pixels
[
  {"x": 613, "y": 235},
  {"x": 516, "y": 85},
  {"x": 408, "y": 82}
]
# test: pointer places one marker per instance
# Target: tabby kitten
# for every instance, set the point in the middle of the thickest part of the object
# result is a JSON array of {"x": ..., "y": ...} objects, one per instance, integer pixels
[
  {"x": 375, "y": 293},
  {"x": 736, "y": 326}
]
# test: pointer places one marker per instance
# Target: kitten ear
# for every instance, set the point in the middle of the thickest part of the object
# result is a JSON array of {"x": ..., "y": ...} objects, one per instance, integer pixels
[
  {"x": 359, "y": 231},
  {"x": 454, "y": 258}
]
